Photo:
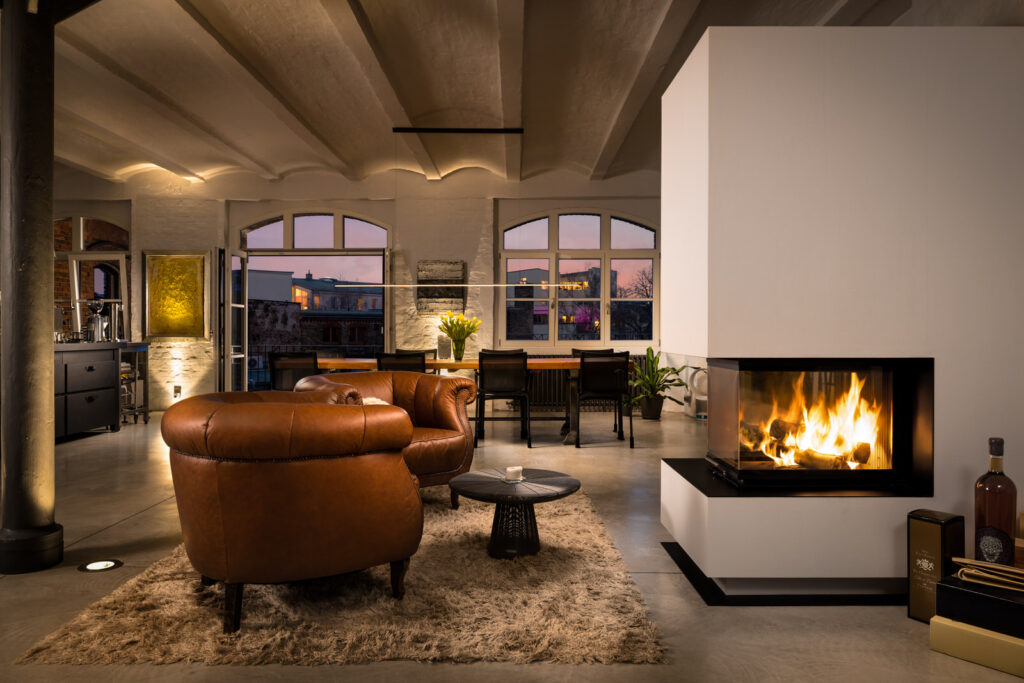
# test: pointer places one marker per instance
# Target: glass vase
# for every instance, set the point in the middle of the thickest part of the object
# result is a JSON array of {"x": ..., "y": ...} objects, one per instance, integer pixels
[{"x": 458, "y": 348}]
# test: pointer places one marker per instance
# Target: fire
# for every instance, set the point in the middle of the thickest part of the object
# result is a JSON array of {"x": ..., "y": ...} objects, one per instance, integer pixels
[{"x": 843, "y": 435}]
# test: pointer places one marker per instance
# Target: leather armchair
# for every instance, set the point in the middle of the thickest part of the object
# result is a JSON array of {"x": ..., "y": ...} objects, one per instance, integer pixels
[
  {"x": 276, "y": 486},
  {"x": 442, "y": 442}
]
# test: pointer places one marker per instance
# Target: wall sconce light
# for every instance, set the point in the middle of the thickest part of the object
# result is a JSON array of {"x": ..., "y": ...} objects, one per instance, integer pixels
[{"x": 177, "y": 391}]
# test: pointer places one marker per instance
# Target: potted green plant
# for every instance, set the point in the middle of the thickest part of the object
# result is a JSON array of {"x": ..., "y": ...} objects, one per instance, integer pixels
[{"x": 652, "y": 382}]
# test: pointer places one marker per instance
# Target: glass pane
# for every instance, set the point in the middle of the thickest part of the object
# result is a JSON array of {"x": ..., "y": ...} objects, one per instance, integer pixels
[
  {"x": 626, "y": 235},
  {"x": 579, "y": 278},
  {"x": 314, "y": 231},
  {"x": 331, "y": 304},
  {"x": 632, "y": 278},
  {"x": 632, "y": 320},
  {"x": 526, "y": 271},
  {"x": 236, "y": 374},
  {"x": 103, "y": 236},
  {"x": 579, "y": 320},
  {"x": 270, "y": 235},
  {"x": 579, "y": 231},
  {"x": 236, "y": 329},
  {"x": 363, "y": 235},
  {"x": 526, "y": 320},
  {"x": 236, "y": 280},
  {"x": 532, "y": 235},
  {"x": 99, "y": 280}
]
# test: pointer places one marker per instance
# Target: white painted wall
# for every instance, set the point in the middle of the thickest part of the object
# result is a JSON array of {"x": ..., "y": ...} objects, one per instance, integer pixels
[
  {"x": 453, "y": 218},
  {"x": 866, "y": 198},
  {"x": 684, "y": 207},
  {"x": 166, "y": 223}
]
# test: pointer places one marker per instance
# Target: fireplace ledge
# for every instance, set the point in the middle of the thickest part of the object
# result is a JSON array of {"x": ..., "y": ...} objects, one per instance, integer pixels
[{"x": 732, "y": 534}]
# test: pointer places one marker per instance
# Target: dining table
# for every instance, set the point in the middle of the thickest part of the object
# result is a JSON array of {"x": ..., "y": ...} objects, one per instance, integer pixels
[{"x": 532, "y": 364}]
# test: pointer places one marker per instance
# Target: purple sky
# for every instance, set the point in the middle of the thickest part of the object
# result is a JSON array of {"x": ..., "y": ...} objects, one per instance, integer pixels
[{"x": 353, "y": 268}]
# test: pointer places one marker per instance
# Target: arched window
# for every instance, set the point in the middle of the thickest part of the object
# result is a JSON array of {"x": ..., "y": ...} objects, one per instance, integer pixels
[
  {"x": 311, "y": 280},
  {"x": 579, "y": 279}
]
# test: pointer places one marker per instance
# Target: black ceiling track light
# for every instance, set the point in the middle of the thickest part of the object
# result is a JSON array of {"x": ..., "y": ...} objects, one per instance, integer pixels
[{"x": 471, "y": 131}]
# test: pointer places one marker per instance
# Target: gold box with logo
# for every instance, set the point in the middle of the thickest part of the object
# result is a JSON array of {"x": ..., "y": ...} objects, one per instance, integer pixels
[{"x": 933, "y": 540}]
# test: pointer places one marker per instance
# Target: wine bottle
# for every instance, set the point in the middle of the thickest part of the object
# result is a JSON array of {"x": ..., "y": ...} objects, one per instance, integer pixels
[{"x": 995, "y": 507}]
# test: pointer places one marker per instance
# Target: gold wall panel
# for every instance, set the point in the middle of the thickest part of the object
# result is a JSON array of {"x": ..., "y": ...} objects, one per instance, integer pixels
[{"x": 176, "y": 296}]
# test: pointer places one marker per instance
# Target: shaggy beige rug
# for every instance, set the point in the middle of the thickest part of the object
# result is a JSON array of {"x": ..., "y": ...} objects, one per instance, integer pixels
[{"x": 573, "y": 602}]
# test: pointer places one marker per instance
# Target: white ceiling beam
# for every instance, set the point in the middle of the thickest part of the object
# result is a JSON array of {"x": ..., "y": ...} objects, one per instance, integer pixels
[
  {"x": 97, "y": 64},
  {"x": 69, "y": 118},
  {"x": 354, "y": 29},
  {"x": 84, "y": 165},
  {"x": 677, "y": 17},
  {"x": 511, "y": 20},
  {"x": 219, "y": 44}
]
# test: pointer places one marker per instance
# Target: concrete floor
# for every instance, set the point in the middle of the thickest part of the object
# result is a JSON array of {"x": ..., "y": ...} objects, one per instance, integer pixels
[{"x": 115, "y": 499}]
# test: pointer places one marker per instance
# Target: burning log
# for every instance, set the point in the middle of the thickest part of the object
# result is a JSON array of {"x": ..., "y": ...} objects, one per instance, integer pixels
[
  {"x": 862, "y": 453},
  {"x": 814, "y": 460},
  {"x": 780, "y": 429},
  {"x": 751, "y": 433}
]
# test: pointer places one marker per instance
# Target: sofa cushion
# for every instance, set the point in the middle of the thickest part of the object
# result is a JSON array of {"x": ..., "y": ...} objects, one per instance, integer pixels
[{"x": 433, "y": 451}]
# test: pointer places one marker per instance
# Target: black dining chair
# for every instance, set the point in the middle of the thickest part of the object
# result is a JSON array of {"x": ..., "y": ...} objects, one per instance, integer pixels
[
  {"x": 604, "y": 376},
  {"x": 428, "y": 354},
  {"x": 570, "y": 374},
  {"x": 410, "y": 361},
  {"x": 288, "y": 367},
  {"x": 503, "y": 375}
]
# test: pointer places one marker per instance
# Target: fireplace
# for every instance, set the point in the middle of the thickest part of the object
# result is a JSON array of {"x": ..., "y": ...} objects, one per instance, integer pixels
[{"x": 852, "y": 424}]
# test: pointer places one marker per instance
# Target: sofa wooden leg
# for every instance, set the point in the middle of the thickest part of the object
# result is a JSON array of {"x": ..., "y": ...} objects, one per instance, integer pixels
[
  {"x": 398, "y": 570},
  {"x": 455, "y": 501},
  {"x": 233, "y": 607},
  {"x": 206, "y": 580}
]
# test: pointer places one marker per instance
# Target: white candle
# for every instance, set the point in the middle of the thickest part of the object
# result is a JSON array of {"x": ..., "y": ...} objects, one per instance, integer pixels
[{"x": 514, "y": 473}]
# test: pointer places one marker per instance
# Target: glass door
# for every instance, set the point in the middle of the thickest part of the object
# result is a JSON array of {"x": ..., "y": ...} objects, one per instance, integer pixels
[{"x": 236, "y": 320}]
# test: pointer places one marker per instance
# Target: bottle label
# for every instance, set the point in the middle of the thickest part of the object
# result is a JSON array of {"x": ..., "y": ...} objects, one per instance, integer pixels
[{"x": 993, "y": 545}]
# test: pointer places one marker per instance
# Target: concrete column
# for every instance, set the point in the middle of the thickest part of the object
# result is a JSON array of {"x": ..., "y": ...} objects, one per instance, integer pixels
[{"x": 29, "y": 538}]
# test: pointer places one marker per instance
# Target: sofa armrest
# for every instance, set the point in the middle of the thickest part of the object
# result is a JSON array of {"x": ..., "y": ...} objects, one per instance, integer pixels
[
  {"x": 447, "y": 405},
  {"x": 344, "y": 392}
]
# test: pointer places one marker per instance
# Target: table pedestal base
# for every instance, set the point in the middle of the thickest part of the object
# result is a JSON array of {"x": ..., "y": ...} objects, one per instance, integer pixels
[{"x": 514, "y": 531}]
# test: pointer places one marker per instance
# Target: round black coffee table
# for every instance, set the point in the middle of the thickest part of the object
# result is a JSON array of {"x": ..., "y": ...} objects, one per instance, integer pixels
[{"x": 514, "y": 530}]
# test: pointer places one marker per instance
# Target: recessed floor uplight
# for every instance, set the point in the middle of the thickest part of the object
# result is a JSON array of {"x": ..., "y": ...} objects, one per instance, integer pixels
[{"x": 100, "y": 566}]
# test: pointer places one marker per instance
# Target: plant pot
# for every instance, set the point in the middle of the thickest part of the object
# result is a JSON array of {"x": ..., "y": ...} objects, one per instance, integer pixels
[
  {"x": 650, "y": 407},
  {"x": 458, "y": 348}
]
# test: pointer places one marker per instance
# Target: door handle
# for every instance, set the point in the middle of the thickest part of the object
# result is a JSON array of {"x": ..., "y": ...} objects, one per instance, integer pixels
[
  {"x": 90, "y": 368},
  {"x": 90, "y": 399}
]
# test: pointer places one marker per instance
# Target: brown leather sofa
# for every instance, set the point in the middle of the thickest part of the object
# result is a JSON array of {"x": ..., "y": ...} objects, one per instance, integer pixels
[
  {"x": 442, "y": 442},
  {"x": 276, "y": 486}
]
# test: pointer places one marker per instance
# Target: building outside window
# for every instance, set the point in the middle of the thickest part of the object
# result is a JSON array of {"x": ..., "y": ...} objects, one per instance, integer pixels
[
  {"x": 310, "y": 277},
  {"x": 578, "y": 280}
]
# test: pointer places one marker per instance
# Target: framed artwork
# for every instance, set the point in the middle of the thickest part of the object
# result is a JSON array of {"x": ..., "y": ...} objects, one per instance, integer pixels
[{"x": 177, "y": 294}]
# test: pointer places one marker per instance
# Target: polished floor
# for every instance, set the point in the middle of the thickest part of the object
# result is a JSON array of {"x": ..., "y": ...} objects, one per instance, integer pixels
[{"x": 115, "y": 500}]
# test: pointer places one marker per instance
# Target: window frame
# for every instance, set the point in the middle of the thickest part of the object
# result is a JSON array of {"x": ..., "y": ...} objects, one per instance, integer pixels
[
  {"x": 288, "y": 248},
  {"x": 553, "y": 255}
]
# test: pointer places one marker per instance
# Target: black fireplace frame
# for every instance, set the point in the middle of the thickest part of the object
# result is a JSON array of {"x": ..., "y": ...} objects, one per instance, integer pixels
[{"x": 913, "y": 419}]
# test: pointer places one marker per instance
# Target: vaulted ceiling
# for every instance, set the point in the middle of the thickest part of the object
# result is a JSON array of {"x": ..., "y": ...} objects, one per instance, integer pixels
[{"x": 275, "y": 87}]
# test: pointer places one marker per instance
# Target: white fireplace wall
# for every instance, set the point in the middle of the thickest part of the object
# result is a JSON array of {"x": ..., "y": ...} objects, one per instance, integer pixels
[{"x": 864, "y": 198}]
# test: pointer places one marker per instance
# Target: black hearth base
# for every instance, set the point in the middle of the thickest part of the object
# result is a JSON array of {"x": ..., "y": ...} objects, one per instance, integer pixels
[{"x": 713, "y": 595}]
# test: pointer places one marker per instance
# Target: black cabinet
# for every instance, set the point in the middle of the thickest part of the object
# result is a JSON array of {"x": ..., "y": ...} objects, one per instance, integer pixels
[{"x": 86, "y": 384}]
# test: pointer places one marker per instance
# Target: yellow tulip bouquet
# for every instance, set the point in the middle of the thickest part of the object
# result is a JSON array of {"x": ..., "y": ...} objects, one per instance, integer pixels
[{"x": 459, "y": 328}]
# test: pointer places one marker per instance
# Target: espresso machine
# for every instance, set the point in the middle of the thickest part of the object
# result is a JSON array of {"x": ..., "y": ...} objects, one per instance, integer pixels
[{"x": 97, "y": 328}]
